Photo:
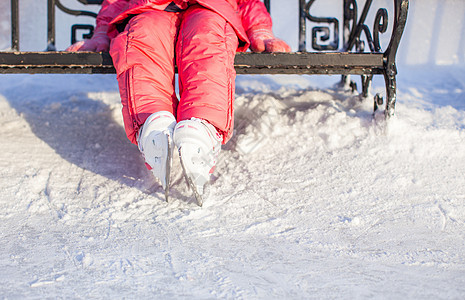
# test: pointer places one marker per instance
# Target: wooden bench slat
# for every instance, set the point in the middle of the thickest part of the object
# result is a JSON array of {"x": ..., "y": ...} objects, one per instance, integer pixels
[{"x": 245, "y": 63}]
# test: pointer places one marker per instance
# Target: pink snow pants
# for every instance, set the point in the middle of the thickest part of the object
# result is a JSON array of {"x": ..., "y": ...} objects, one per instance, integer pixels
[{"x": 200, "y": 43}]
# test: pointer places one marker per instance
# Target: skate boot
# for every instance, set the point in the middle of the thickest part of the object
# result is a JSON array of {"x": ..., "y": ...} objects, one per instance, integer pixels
[
  {"x": 199, "y": 144},
  {"x": 155, "y": 144}
]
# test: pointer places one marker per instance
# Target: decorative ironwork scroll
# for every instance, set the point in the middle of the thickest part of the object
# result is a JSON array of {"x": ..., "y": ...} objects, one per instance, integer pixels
[
  {"x": 322, "y": 33},
  {"x": 353, "y": 28},
  {"x": 74, "y": 29}
]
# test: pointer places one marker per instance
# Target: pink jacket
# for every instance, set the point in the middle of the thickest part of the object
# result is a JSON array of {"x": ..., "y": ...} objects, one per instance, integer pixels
[{"x": 243, "y": 15}]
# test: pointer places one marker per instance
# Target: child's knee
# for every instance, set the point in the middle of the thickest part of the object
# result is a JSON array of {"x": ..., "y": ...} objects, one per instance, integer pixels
[
  {"x": 148, "y": 37},
  {"x": 203, "y": 24},
  {"x": 152, "y": 27}
]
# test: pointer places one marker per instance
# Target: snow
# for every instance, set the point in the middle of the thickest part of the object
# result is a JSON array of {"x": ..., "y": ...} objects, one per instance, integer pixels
[{"x": 312, "y": 198}]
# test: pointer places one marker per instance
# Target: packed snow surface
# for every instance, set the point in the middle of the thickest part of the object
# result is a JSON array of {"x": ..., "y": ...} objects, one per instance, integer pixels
[{"x": 312, "y": 198}]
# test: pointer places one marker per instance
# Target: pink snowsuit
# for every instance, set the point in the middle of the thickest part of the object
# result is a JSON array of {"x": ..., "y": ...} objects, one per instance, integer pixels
[{"x": 200, "y": 37}]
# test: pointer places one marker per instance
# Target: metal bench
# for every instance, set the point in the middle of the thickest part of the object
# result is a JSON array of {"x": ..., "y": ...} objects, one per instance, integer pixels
[{"x": 352, "y": 58}]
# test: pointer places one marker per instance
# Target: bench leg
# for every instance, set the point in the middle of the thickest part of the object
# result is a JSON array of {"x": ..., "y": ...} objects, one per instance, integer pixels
[
  {"x": 366, "y": 85},
  {"x": 346, "y": 83},
  {"x": 390, "y": 72},
  {"x": 391, "y": 93},
  {"x": 349, "y": 84}
]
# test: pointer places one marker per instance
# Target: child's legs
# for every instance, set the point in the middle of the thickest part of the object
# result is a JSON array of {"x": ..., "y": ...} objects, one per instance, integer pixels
[
  {"x": 143, "y": 55},
  {"x": 205, "y": 58}
]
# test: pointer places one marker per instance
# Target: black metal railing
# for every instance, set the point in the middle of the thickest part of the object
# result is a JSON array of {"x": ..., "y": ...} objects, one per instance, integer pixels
[
  {"x": 51, "y": 7},
  {"x": 353, "y": 27},
  {"x": 15, "y": 25},
  {"x": 329, "y": 30}
]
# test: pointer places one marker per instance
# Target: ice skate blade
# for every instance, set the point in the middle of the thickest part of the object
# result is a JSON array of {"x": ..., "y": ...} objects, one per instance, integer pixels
[
  {"x": 168, "y": 167},
  {"x": 190, "y": 182},
  {"x": 197, "y": 196},
  {"x": 163, "y": 153}
]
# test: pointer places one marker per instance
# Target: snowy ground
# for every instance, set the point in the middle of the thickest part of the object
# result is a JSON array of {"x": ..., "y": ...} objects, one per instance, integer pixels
[
  {"x": 312, "y": 197},
  {"x": 331, "y": 205}
]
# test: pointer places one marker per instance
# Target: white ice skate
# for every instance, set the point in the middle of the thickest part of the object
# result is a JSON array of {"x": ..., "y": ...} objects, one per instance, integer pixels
[
  {"x": 155, "y": 144},
  {"x": 199, "y": 145}
]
